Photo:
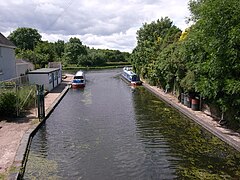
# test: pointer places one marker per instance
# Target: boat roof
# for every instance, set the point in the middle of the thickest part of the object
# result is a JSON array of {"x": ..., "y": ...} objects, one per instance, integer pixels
[
  {"x": 79, "y": 73},
  {"x": 128, "y": 70}
]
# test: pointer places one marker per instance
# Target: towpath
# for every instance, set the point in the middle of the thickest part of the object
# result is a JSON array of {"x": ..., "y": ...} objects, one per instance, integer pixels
[{"x": 13, "y": 131}]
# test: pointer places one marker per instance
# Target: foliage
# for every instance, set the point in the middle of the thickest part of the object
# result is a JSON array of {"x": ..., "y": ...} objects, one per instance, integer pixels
[
  {"x": 26, "y": 96},
  {"x": 15, "y": 99},
  {"x": 204, "y": 59},
  {"x": 59, "y": 48},
  {"x": 31, "y": 47},
  {"x": 95, "y": 58},
  {"x": 114, "y": 56},
  {"x": 8, "y": 102},
  {"x": 25, "y": 38},
  {"x": 213, "y": 50},
  {"x": 152, "y": 39},
  {"x": 118, "y": 63},
  {"x": 74, "y": 49},
  {"x": 45, "y": 53}
]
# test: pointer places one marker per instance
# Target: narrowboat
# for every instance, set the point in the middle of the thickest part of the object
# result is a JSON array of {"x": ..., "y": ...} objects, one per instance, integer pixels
[
  {"x": 78, "y": 80},
  {"x": 130, "y": 76}
]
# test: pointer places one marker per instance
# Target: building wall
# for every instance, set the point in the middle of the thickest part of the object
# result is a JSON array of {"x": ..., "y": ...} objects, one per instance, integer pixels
[
  {"x": 39, "y": 79},
  {"x": 7, "y": 63},
  {"x": 50, "y": 80},
  {"x": 22, "y": 68}
]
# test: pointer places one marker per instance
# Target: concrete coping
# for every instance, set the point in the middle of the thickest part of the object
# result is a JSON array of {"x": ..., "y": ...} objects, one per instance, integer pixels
[{"x": 22, "y": 153}]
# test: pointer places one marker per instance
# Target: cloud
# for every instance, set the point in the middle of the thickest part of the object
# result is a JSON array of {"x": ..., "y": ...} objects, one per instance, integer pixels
[{"x": 100, "y": 24}]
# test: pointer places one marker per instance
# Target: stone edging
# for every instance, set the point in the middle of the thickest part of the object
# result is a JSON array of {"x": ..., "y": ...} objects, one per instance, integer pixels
[
  {"x": 24, "y": 147},
  {"x": 198, "y": 120}
]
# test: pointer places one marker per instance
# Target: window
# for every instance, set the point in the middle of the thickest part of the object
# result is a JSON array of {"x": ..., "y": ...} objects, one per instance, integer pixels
[
  {"x": 50, "y": 78},
  {"x": 56, "y": 75},
  {"x": 1, "y": 71}
]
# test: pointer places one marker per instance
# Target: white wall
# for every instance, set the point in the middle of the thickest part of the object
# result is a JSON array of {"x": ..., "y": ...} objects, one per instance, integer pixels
[
  {"x": 7, "y": 63},
  {"x": 44, "y": 79},
  {"x": 39, "y": 79}
]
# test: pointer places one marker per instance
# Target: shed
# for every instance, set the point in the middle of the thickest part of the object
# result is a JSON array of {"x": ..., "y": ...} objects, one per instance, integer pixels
[
  {"x": 49, "y": 77},
  {"x": 23, "y": 66}
]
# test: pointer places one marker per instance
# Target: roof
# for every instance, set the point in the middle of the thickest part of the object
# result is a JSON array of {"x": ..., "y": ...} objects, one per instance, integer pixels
[
  {"x": 5, "y": 42},
  {"x": 21, "y": 61},
  {"x": 43, "y": 71},
  {"x": 79, "y": 73}
]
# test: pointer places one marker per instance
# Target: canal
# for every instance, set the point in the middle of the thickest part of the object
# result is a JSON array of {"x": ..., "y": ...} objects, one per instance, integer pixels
[{"x": 108, "y": 130}]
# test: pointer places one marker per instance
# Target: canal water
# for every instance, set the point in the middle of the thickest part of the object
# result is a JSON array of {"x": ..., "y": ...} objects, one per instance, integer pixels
[{"x": 108, "y": 130}]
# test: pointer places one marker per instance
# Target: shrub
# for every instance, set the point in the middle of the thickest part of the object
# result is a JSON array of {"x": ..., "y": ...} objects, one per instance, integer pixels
[{"x": 8, "y": 103}]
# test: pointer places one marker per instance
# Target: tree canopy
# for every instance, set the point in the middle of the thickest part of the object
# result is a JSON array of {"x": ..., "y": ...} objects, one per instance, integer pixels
[
  {"x": 204, "y": 59},
  {"x": 152, "y": 39},
  {"x": 31, "y": 47},
  {"x": 25, "y": 38}
]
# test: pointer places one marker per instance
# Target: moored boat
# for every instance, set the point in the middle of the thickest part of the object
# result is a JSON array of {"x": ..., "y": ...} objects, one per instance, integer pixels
[
  {"x": 130, "y": 76},
  {"x": 78, "y": 80}
]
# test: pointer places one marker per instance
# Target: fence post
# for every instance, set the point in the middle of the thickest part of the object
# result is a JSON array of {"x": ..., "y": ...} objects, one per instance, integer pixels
[
  {"x": 18, "y": 102},
  {"x": 40, "y": 102}
]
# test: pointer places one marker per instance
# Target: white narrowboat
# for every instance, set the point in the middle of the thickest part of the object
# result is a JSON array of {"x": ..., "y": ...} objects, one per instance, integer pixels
[{"x": 78, "y": 80}]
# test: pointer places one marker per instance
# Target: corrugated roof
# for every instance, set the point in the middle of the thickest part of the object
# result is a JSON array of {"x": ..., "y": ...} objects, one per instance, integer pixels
[{"x": 4, "y": 41}]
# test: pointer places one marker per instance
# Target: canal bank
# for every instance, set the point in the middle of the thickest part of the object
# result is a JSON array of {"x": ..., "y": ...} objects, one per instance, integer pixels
[
  {"x": 230, "y": 137},
  {"x": 16, "y": 137},
  {"x": 110, "y": 130},
  {"x": 51, "y": 101},
  {"x": 87, "y": 101}
]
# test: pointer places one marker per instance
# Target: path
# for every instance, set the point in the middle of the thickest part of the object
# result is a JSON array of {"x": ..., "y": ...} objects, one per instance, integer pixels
[{"x": 12, "y": 132}]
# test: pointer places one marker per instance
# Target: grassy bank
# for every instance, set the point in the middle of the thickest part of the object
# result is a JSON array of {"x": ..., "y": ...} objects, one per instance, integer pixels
[{"x": 109, "y": 65}]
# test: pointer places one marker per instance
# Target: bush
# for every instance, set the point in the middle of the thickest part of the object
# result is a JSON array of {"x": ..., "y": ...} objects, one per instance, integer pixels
[
  {"x": 8, "y": 103},
  {"x": 15, "y": 99}
]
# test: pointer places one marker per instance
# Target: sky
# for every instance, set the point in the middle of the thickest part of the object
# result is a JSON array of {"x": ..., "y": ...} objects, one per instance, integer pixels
[{"x": 106, "y": 24}]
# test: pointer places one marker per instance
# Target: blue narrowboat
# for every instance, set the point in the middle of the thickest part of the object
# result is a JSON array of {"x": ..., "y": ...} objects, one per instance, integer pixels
[{"x": 130, "y": 76}]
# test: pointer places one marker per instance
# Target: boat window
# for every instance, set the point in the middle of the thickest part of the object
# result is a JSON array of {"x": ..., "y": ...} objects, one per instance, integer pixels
[
  {"x": 78, "y": 81},
  {"x": 78, "y": 77},
  {"x": 135, "y": 78}
]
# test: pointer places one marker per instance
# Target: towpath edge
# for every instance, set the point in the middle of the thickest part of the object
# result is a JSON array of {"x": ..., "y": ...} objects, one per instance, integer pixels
[
  {"x": 51, "y": 101},
  {"x": 230, "y": 137}
]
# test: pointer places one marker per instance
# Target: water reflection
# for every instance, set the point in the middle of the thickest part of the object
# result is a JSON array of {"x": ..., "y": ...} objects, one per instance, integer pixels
[{"x": 111, "y": 131}]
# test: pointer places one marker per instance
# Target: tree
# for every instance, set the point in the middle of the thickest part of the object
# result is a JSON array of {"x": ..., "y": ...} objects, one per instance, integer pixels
[
  {"x": 96, "y": 57},
  {"x": 45, "y": 53},
  {"x": 213, "y": 52},
  {"x": 151, "y": 40},
  {"x": 59, "y": 48},
  {"x": 25, "y": 38},
  {"x": 73, "y": 49}
]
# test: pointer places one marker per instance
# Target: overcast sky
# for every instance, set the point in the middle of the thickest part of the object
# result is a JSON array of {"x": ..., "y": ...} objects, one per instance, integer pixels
[{"x": 105, "y": 24}]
